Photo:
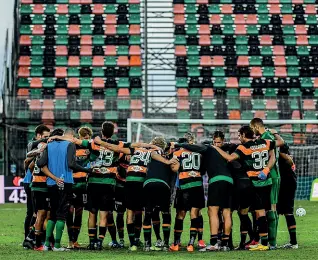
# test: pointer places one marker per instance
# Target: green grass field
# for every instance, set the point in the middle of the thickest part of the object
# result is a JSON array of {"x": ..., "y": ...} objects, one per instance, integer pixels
[{"x": 11, "y": 236}]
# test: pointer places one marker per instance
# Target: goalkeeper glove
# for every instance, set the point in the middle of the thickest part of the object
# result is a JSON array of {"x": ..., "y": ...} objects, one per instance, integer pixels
[{"x": 263, "y": 174}]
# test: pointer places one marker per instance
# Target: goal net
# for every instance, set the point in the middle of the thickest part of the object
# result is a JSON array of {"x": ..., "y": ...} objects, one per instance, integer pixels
[{"x": 301, "y": 136}]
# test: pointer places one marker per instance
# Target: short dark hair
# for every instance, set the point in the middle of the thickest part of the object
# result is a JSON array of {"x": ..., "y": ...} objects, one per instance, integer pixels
[
  {"x": 257, "y": 121},
  {"x": 247, "y": 131},
  {"x": 40, "y": 129},
  {"x": 218, "y": 134},
  {"x": 108, "y": 129},
  {"x": 182, "y": 140},
  {"x": 57, "y": 131}
]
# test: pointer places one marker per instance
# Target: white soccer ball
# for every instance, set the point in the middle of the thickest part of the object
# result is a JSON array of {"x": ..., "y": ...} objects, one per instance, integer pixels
[{"x": 300, "y": 212}]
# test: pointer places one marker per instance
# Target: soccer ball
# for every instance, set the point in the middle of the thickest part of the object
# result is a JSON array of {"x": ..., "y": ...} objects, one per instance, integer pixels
[{"x": 300, "y": 212}]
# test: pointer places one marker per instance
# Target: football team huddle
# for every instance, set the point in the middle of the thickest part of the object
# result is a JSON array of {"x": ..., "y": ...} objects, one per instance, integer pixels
[{"x": 141, "y": 181}]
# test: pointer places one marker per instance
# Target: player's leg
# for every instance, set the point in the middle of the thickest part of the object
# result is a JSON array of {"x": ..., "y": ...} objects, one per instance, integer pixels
[
  {"x": 70, "y": 225},
  {"x": 147, "y": 227},
  {"x": 120, "y": 224},
  {"x": 201, "y": 243},
  {"x": 138, "y": 226},
  {"x": 131, "y": 228},
  {"x": 178, "y": 229},
  {"x": 77, "y": 224},
  {"x": 246, "y": 225},
  {"x": 214, "y": 226},
  {"x": 194, "y": 213},
  {"x": 92, "y": 230},
  {"x": 40, "y": 218},
  {"x": 112, "y": 230},
  {"x": 227, "y": 228},
  {"x": 54, "y": 204},
  {"x": 93, "y": 206},
  {"x": 102, "y": 228},
  {"x": 156, "y": 225}
]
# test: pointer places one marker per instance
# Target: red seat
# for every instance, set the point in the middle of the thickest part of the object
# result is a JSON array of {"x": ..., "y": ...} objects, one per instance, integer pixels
[
  {"x": 274, "y": 9},
  {"x": 98, "y": 83},
  {"x": 288, "y": 19},
  {"x": 86, "y": 116},
  {"x": 242, "y": 61},
  {"x": 232, "y": 83},
  {"x": 182, "y": 92},
  {"x": 98, "y": 104},
  {"x": 183, "y": 104},
  {"x": 240, "y": 29},
  {"x": 178, "y": 9},
  {"x": 73, "y": 61},
  {"x": 123, "y": 61},
  {"x": 207, "y": 93},
  {"x": 227, "y": 9},
  {"x": 234, "y": 115},
  {"x": 136, "y": 114},
  {"x": 35, "y": 104},
  {"x": 311, "y": 128},
  {"x": 48, "y": 104},
  {"x": 256, "y": 72},
  {"x": 86, "y": 40},
  {"x": 204, "y": 29},
  {"x": 134, "y": 29},
  {"x": 278, "y": 50},
  {"x": 309, "y": 104},
  {"x": 310, "y": 9},
  {"x": 38, "y": 29},
  {"x": 62, "y": 9},
  {"x": 215, "y": 19},
  {"x": 301, "y": 29},
  {"x": 123, "y": 93},
  {"x": 204, "y": 40},
  {"x": 218, "y": 61},
  {"x": 265, "y": 40},
  {"x": 74, "y": 29},
  {"x": 136, "y": 104},
  {"x": 61, "y": 72},
  {"x": 134, "y": 1},
  {"x": 38, "y": 9},
  {"x": 25, "y": 40},
  {"x": 281, "y": 72},
  {"x": 134, "y": 50},
  {"x": 86, "y": 50},
  {"x": 74, "y": 1},
  {"x": 180, "y": 50},
  {"x": 280, "y": 61},
  {"x": 86, "y": 1},
  {"x": 271, "y": 104},
  {"x": 134, "y": 61},
  {"x": 60, "y": 93},
  {"x": 245, "y": 92},
  {"x": 110, "y": 29},
  {"x": 98, "y": 9},
  {"x": 98, "y": 61},
  {"x": 206, "y": 61},
  {"x": 23, "y": 72},
  {"x": 48, "y": 116},
  {"x": 296, "y": 114},
  {"x": 302, "y": 40},
  {"x": 286, "y": 129},
  {"x": 111, "y": 19},
  {"x": 179, "y": 19},
  {"x": 24, "y": 61},
  {"x": 110, "y": 50},
  {"x": 299, "y": 139},
  {"x": 260, "y": 114},
  {"x": 36, "y": 83},
  {"x": 251, "y": 19},
  {"x": 316, "y": 83},
  {"x": 73, "y": 83},
  {"x": 61, "y": 51},
  {"x": 23, "y": 93},
  {"x": 202, "y": 1},
  {"x": 26, "y": 1},
  {"x": 239, "y": 19}
]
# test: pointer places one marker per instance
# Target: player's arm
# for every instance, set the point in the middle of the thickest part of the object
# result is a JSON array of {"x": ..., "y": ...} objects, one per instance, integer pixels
[
  {"x": 287, "y": 158},
  {"x": 225, "y": 155},
  {"x": 271, "y": 162},
  {"x": 71, "y": 160},
  {"x": 144, "y": 145},
  {"x": 278, "y": 139},
  {"x": 158, "y": 157},
  {"x": 113, "y": 147},
  {"x": 31, "y": 165},
  {"x": 192, "y": 147},
  {"x": 175, "y": 167},
  {"x": 27, "y": 163},
  {"x": 64, "y": 138},
  {"x": 48, "y": 173},
  {"x": 36, "y": 152}
]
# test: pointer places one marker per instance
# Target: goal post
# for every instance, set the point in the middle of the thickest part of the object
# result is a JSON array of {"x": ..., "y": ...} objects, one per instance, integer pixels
[{"x": 300, "y": 135}]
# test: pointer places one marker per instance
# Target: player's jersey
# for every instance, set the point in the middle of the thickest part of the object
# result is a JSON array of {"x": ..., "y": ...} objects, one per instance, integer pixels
[
  {"x": 274, "y": 173},
  {"x": 287, "y": 174},
  {"x": 105, "y": 161},
  {"x": 137, "y": 169},
  {"x": 254, "y": 156},
  {"x": 82, "y": 159},
  {"x": 122, "y": 171},
  {"x": 38, "y": 177}
]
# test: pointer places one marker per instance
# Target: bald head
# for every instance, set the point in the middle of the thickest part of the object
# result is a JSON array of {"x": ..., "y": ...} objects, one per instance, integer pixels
[{"x": 69, "y": 132}]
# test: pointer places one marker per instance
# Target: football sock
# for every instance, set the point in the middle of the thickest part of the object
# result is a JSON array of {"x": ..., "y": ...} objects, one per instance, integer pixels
[
  {"x": 131, "y": 233},
  {"x": 213, "y": 239},
  {"x": 138, "y": 224},
  {"x": 101, "y": 233},
  {"x": 111, "y": 227},
  {"x": 147, "y": 229},
  {"x": 77, "y": 223},
  {"x": 291, "y": 224},
  {"x": 49, "y": 232},
  {"x": 38, "y": 238},
  {"x": 59, "y": 232},
  {"x": 166, "y": 226},
  {"x": 120, "y": 225},
  {"x": 178, "y": 228},
  {"x": 200, "y": 228},
  {"x": 156, "y": 223},
  {"x": 272, "y": 226},
  {"x": 263, "y": 230},
  {"x": 69, "y": 224},
  {"x": 92, "y": 233},
  {"x": 193, "y": 230},
  {"x": 246, "y": 225},
  {"x": 225, "y": 240}
]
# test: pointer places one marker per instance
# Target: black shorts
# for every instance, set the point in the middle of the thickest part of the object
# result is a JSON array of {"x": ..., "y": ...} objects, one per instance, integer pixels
[
  {"x": 134, "y": 197},
  {"x": 60, "y": 201},
  {"x": 262, "y": 198},
  {"x": 190, "y": 198},
  {"x": 40, "y": 200},
  {"x": 120, "y": 205},
  {"x": 100, "y": 197},
  {"x": 157, "y": 194},
  {"x": 242, "y": 198},
  {"x": 286, "y": 199},
  {"x": 220, "y": 194},
  {"x": 79, "y": 199}
]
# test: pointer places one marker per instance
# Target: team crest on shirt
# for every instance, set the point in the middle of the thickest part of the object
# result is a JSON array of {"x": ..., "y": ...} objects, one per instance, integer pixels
[
  {"x": 87, "y": 152},
  {"x": 136, "y": 168},
  {"x": 192, "y": 174},
  {"x": 104, "y": 170}
]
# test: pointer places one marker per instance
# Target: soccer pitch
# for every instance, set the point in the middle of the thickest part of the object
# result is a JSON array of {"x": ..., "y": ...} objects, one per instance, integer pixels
[{"x": 11, "y": 236}]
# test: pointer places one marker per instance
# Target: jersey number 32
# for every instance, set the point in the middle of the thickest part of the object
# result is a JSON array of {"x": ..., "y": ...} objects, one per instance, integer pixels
[{"x": 260, "y": 159}]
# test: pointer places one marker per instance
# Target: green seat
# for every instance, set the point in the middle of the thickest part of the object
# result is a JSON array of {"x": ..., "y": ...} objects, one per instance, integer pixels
[
  {"x": 242, "y": 50},
  {"x": 270, "y": 92},
  {"x": 183, "y": 128},
  {"x": 75, "y": 115},
  {"x": 61, "y": 61},
  {"x": 37, "y": 19},
  {"x": 262, "y": 9},
  {"x": 306, "y": 83},
  {"x": 50, "y": 9},
  {"x": 214, "y": 9},
  {"x": 110, "y": 9},
  {"x": 73, "y": 72},
  {"x": 111, "y": 92},
  {"x": 191, "y": 9},
  {"x": 37, "y": 61},
  {"x": 25, "y": 30},
  {"x": 110, "y": 61},
  {"x": 191, "y": 19},
  {"x": 310, "y": 115},
  {"x": 288, "y": 30},
  {"x": 194, "y": 72},
  {"x": 62, "y": 19},
  {"x": 86, "y": 19},
  {"x": 226, "y": 1},
  {"x": 261, "y": 1},
  {"x": 194, "y": 61},
  {"x": 296, "y": 128},
  {"x": 309, "y": 1},
  {"x": 98, "y": 40},
  {"x": 244, "y": 83},
  {"x": 313, "y": 40},
  {"x": 291, "y": 61},
  {"x": 228, "y": 29},
  {"x": 23, "y": 83},
  {"x": 311, "y": 19},
  {"x": 247, "y": 115},
  {"x": 192, "y": 29},
  {"x": 23, "y": 116},
  {"x": 62, "y": 1},
  {"x": 86, "y": 29},
  {"x": 241, "y": 40},
  {"x": 26, "y": 9},
  {"x": 227, "y": 19},
  {"x": 37, "y": 50},
  {"x": 190, "y": 1},
  {"x": 136, "y": 93},
  {"x": 268, "y": 72},
  {"x": 134, "y": 19},
  {"x": 218, "y": 72},
  {"x": 86, "y": 61},
  {"x": 294, "y": 104},
  {"x": 37, "y": 40},
  {"x": 295, "y": 92},
  {"x": 98, "y": 72},
  {"x": 123, "y": 104},
  {"x": 217, "y": 40},
  {"x": 208, "y": 114},
  {"x": 181, "y": 82},
  {"x": 287, "y": 9},
  {"x": 183, "y": 114},
  {"x": 195, "y": 93},
  {"x": 123, "y": 51},
  {"x": 302, "y": 51},
  {"x": 193, "y": 50},
  {"x": 134, "y": 8},
  {"x": 255, "y": 61},
  {"x": 36, "y": 72},
  {"x": 272, "y": 115},
  {"x": 263, "y": 19},
  {"x": 135, "y": 72},
  {"x": 232, "y": 92},
  {"x": 60, "y": 104},
  {"x": 252, "y": 30},
  {"x": 286, "y": 1},
  {"x": 290, "y": 40},
  {"x": 180, "y": 40},
  {"x": 122, "y": 1},
  {"x": 234, "y": 104},
  {"x": 86, "y": 93},
  {"x": 293, "y": 72},
  {"x": 258, "y": 104},
  {"x": 61, "y": 40},
  {"x": 62, "y": 29},
  {"x": 123, "y": 83},
  {"x": 266, "y": 51},
  {"x": 134, "y": 40},
  {"x": 111, "y": 115},
  {"x": 316, "y": 93},
  {"x": 122, "y": 29},
  {"x": 85, "y": 83},
  {"x": 208, "y": 104},
  {"x": 48, "y": 83},
  {"x": 74, "y": 9},
  {"x": 35, "y": 93},
  {"x": 219, "y": 83}
]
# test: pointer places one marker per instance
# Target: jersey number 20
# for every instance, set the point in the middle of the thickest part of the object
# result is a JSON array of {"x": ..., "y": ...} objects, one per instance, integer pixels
[
  {"x": 260, "y": 159},
  {"x": 191, "y": 161}
]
